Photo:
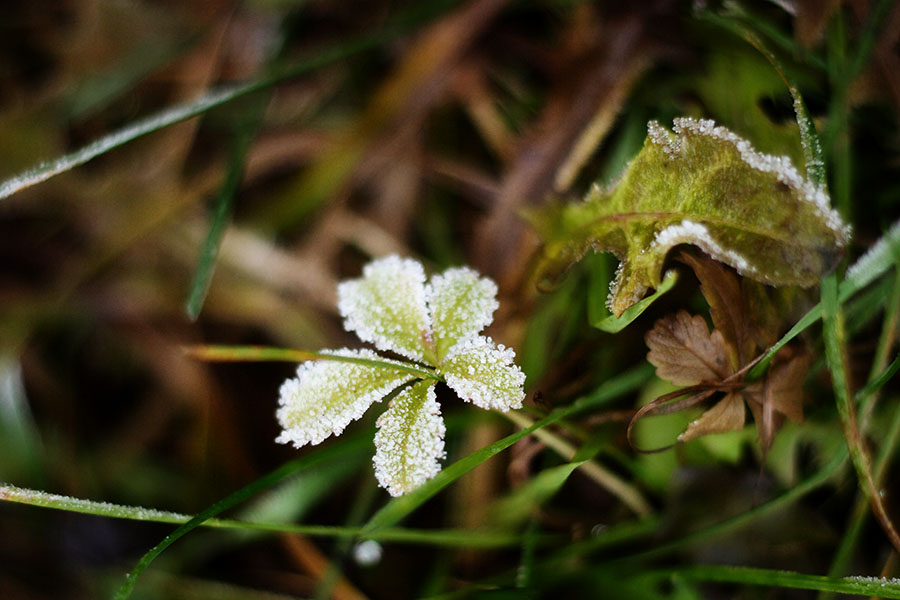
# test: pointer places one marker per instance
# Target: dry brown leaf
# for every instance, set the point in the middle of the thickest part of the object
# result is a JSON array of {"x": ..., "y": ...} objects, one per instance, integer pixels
[
  {"x": 728, "y": 414},
  {"x": 727, "y": 309},
  {"x": 777, "y": 396},
  {"x": 685, "y": 352}
]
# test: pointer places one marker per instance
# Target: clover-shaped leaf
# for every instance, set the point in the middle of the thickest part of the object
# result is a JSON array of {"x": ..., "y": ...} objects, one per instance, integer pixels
[{"x": 438, "y": 325}]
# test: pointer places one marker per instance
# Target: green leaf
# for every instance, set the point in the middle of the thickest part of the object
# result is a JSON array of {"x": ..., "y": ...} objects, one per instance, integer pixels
[
  {"x": 484, "y": 374},
  {"x": 702, "y": 185},
  {"x": 326, "y": 396},
  {"x": 410, "y": 440},
  {"x": 461, "y": 304},
  {"x": 386, "y": 307},
  {"x": 614, "y": 324}
]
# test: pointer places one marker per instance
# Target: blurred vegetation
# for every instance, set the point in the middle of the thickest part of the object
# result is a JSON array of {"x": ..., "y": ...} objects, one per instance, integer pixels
[{"x": 425, "y": 129}]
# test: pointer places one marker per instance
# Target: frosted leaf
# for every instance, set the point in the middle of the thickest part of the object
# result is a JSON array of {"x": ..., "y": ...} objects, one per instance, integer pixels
[
  {"x": 410, "y": 440},
  {"x": 461, "y": 305},
  {"x": 326, "y": 396},
  {"x": 387, "y": 306},
  {"x": 484, "y": 374},
  {"x": 700, "y": 184}
]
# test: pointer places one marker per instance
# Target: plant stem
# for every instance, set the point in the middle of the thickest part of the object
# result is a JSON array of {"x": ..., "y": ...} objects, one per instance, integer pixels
[{"x": 833, "y": 327}]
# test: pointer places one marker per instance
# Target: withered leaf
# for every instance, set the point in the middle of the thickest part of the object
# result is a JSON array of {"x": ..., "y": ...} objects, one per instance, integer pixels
[
  {"x": 722, "y": 291},
  {"x": 728, "y": 414},
  {"x": 685, "y": 352},
  {"x": 777, "y": 396}
]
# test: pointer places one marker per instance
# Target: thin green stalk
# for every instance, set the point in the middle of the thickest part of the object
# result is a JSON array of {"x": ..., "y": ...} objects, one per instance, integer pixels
[
  {"x": 209, "y": 253},
  {"x": 886, "y": 341},
  {"x": 430, "y": 537},
  {"x": 817, "y": 480},
  {"x": 861, "y": 586},
  {"x": 845, "y": 551},
  {"x": 833, "y": 329},
  {"x": 850, "y": 68},
  {"x": 618, "y": 487},
  {"x": 214, "y": 353},
  {"x": 361, "y": 505},
  {"x": 268, "y": 480}
]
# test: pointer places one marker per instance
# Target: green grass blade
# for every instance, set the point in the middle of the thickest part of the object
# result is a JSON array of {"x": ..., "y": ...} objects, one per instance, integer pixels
[
  {"x": 874, "y": 263},
  {"x": 222, "y": 214},
  {"x": 193, "y": 108},
  {"x": 813, "y": 155},
  {"x": 860, "y": 586},
  {"x": 399, "y": 508},
  {"x": 268, "y": 480},
  {"x": 835, "y": 342},
  {"x": 138, "y": 129},
  {"x": 461, "y": 538},
  {"x": 857, "y": 520},
  {"x": 814, "y": 482},
  {"x": 880, "y": 380},
  {"x": 215, "y": 353}
]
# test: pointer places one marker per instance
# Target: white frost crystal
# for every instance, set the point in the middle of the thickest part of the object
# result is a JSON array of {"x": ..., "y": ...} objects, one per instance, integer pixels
[
  {"x": 437, "y": 323},
  {"x": 689, "y": 232}
]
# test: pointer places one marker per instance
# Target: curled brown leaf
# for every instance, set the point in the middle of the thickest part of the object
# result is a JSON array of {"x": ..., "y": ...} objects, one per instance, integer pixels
[{"x": 728, "y": 414}]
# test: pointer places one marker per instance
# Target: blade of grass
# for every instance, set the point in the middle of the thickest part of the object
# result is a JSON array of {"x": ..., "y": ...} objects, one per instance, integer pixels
[
  {"x": 432, "y": 537},
  {"x": 886, "y": 341},
  {"x": 181, "y": 112},
  {"x": 812, "y": 148},
  {"x": 879, "y": 381},
  {"x": 853, "y": 66},
  {"x": 817, "y": 480},
  {"x": 244, "y": 135},
  {"x": 361, "y": 505},
  {"x": 784, "y": 41},
  {"x": 860, "y": 586},
  {"x": 318, "y": 456},
  {"x": 214, "y": 353},
  {"x": 849, "y": 542},
  {"x": 833, "y": 331},
  {"x": 399, "y": 508}
]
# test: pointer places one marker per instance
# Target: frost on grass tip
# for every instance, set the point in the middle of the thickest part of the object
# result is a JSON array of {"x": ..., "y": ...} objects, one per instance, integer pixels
[{"x": 437, "y": 323}]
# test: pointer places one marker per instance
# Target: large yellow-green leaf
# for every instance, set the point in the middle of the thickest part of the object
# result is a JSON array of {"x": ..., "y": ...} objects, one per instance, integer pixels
[{"x": 701, "y": 185}]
